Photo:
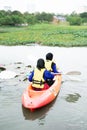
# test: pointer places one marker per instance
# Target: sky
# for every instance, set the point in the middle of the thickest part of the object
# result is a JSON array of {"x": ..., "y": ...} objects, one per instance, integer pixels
[{"x": 49, "y": 6}]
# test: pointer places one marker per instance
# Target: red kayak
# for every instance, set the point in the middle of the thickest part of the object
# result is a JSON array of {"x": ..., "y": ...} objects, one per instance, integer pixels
[{"x": 32, "y": 99}]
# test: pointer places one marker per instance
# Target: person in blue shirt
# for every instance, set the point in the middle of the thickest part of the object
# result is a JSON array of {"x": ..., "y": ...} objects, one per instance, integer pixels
[
  {"x": 40, "y": 76},
  {"x": 50, "y": 64}
]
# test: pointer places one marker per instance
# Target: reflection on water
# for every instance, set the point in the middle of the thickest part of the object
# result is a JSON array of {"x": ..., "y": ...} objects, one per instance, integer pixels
[
  {"x": 39, "y": 114},
  {"x": 73, "y": 97}
]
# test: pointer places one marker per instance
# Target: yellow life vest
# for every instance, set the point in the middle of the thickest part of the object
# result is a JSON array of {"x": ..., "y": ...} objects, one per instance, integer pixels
[
  {"x": 48, "y": 64},
  {"x": 38, "y": 80}
]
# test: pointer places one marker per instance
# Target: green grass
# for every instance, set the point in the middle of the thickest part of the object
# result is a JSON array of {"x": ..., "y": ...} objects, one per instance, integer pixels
[{"x": 44, "y": 34}]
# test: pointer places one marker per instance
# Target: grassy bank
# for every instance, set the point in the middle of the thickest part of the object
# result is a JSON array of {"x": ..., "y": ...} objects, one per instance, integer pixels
[{"x": 44, "y": 34}]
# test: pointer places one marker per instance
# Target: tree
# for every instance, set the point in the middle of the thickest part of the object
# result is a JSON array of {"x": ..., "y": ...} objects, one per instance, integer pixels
[
  {"x": 17, "y": 13},
  {"x": 31, "y": 19},
  {"x": 17, "y": 20},
  {"x": 5, "y": 18},
  {"x": 84, "y": 17},
  {"x": 41, "y": 17},
  {"x": 2, "y": 13},
  {"x": 11, "y": 18},
  {"x": 74, "y": 20}
]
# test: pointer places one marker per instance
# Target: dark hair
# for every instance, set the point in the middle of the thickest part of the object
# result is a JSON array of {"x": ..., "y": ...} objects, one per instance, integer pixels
[
  {"x": 49, "y": 56},
  {"x": 40, "y": 63}
]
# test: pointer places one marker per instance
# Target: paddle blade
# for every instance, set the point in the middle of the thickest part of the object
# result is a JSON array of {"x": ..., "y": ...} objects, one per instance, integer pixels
[{"x": 73, "y": 73}]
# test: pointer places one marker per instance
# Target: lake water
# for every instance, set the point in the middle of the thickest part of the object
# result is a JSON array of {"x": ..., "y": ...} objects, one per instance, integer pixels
[{"x": 67, "y": 112}]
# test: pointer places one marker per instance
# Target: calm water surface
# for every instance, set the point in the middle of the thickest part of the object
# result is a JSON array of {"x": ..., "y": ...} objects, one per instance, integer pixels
[{"x": 67, "y": 112}]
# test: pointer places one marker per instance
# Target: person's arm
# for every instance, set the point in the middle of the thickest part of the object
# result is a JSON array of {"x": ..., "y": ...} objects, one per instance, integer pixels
[
  {"x": 48, "y": 75},
  {"x": 54, "y": 68},
  {"x": 31, "y": 76}
]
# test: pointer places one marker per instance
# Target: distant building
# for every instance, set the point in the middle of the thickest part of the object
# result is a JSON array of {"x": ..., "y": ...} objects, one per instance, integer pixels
[{"x": 57, "y": 19}]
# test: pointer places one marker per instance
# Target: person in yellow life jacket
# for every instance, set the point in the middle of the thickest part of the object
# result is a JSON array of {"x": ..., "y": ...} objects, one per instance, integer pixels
[
  {"x": 50, "y": 64},
  {"x": 40, "y": 75}
]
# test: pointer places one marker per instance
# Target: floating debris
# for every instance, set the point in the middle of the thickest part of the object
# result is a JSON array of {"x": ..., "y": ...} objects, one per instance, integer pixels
[
  {"x": 18, "y": 63},
  {"x": 2, "y": 68},
  {"x": 73, "y": 97},
  {"x": 29, "y": 66}
]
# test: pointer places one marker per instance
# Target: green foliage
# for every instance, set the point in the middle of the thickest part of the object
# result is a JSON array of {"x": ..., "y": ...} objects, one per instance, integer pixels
[
  {"x": 2, "y": 13},
  {"x": 11, "y": 18},
  {"x": 77, "y": 19},
  {"x": 17, "y": 13},
  {"x": 44, "y": 17},
  {"x": 84, "y": 17},
  {"x": 16, "y": 18},
  {"x": 44, "y": 34},
  {"x": 74, "y": 20},
  {"x": 30, "y": 19}
]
